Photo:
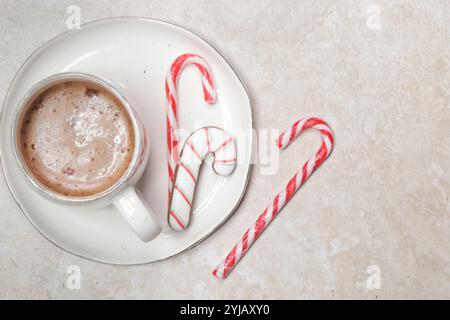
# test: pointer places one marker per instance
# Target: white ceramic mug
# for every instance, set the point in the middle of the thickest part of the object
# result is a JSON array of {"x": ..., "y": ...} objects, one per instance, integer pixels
[{"x": 123, "y": 194}]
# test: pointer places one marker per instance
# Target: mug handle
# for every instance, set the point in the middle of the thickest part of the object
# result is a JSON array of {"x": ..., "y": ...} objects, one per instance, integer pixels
[{"x": 137, "y": 213}]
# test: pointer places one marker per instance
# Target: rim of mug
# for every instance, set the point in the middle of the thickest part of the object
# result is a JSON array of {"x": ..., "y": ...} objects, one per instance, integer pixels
[{"x": 62, "y": 77}]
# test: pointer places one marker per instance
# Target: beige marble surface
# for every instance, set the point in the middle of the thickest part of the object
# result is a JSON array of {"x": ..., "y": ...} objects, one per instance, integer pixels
[{"x": 378, "y": 71}]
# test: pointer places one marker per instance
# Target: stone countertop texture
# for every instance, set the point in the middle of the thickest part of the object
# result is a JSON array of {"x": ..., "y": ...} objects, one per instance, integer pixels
[{"x": 373, "y": 222}]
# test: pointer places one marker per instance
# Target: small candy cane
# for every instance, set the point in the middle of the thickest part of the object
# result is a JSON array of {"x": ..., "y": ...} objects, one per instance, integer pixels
[
  {"x": 198, "y": 145},
  {"x": 249, "y": 237},
  {"x": 209, "y": 93}
]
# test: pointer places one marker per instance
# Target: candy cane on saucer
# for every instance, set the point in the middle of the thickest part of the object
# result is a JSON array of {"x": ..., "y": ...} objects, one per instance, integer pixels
[
  {"x": 249, "y": 237},
  {"x": 171, "y": 86},
  {"x": 198, "y": 145}
]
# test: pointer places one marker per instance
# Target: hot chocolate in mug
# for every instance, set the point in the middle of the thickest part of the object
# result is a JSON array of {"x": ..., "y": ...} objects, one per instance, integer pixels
[{"x": 79, "y": 141}]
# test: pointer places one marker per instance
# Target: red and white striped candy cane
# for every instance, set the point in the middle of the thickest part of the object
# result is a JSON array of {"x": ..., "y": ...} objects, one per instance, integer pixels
[
  {"x": 197, "y": 146},
  {"x": 171, "y": 85},
  {"x": 249, "y": 237}
]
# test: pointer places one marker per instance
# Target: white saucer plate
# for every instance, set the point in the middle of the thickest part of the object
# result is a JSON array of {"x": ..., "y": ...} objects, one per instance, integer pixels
[{"x": 135, "y": 54}]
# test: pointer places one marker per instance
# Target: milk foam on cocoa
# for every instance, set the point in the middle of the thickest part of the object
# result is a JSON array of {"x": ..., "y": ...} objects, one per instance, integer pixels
[{"x": 77, "y": 139}]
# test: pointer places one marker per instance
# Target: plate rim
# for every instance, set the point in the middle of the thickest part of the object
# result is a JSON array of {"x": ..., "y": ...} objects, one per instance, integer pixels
[{"x": 163, "y": 22}]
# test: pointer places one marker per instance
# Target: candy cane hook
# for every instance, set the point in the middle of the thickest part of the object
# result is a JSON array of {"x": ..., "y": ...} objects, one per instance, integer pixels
[
  {"x": 198, "y": 145},
  {"x": 299, "y": 178},
  {"x": 171, "y": 85}
]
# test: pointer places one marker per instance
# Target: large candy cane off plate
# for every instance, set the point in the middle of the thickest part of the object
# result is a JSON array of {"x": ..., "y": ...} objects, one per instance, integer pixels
[
  {"x": 171, "y": 85},
  {"x": 299, "y": 178},
  {"x": 197, "y": 146}
]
